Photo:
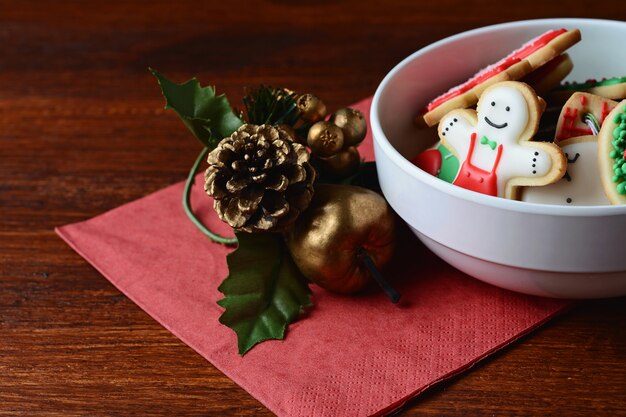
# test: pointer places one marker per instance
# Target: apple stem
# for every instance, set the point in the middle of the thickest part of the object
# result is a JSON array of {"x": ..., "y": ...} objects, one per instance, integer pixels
[{"x": 367, "y": 261}]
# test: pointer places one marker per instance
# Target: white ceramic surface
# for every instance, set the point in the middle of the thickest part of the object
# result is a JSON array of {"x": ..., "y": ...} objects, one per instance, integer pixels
[{"x": 558, "y": 251}]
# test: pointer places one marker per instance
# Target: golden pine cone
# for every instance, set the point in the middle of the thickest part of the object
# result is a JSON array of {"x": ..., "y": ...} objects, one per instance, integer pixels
[{"x": 260, "y": 179}]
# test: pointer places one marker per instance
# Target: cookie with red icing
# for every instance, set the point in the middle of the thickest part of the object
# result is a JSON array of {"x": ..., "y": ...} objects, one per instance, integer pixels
[
  {"x": 582, "y": 115},
  {"x": 514, "y": 66},
  {"x": 494, "y": 143}
]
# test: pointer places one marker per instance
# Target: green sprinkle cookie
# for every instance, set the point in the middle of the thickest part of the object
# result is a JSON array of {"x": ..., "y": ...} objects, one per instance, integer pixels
[{"x": 612, "y": 154}]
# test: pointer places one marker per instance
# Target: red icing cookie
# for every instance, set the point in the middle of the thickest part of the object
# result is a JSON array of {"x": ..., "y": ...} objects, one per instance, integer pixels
[{"x": 514, "y": 66}]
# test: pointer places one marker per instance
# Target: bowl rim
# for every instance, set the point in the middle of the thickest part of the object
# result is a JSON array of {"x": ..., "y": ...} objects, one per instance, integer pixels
[{"x": 381, "y": 140}]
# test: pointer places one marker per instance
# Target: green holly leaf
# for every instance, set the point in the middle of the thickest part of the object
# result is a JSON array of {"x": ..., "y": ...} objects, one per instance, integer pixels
[
  {"x": 209, "y": 117},
  {"x": 264, "y": 291}
]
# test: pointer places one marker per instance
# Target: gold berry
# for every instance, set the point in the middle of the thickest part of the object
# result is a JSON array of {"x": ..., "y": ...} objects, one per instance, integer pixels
[
  {"x": 353, "y": 124},
  {"x": 325, "y": 139},
  {"x": 312, "y": 109}
]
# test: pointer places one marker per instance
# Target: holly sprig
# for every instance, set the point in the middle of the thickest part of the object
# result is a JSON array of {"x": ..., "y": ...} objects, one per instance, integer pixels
[
  {"x": 209, "y": 117},
  {"x": 264, "y": 291}
]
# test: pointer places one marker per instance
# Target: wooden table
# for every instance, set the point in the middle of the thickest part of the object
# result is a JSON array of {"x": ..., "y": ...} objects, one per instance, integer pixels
[{"x": 83, "y": 130}]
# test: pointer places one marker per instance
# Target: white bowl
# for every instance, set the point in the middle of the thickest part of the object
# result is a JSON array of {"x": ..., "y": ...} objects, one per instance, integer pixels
[{"x": 548, "y": 250}]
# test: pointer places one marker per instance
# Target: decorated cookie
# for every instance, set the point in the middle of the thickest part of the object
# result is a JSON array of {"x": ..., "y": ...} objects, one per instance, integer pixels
[
  {"x": 514, "y": 66},
  {"x": 493, "y": 144},
  {"x": 550, "y": 75},
  {"x": 580, "y": 186},
  {"x": 612, "y": 154},
  {"x": 581, "y": 111},
  {"x": 439, "y": 162},
  {"x": 611, "y": 88}
]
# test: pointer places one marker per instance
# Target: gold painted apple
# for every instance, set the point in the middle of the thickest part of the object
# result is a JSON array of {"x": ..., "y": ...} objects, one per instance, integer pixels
[{"x": 343, "y": 230}]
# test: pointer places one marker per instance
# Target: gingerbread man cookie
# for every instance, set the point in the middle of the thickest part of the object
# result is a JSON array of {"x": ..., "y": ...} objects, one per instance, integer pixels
[
  {"x": 581, "y": 110},
  {"x": 493, "y": 144},
  {"x": 580, "y": 186},
  {"x": 612, "y": 154},
  {"x": 514, "y": 66}
]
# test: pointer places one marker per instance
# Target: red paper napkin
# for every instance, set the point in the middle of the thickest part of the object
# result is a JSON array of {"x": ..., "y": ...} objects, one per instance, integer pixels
[{"x": 352, "y": 356}]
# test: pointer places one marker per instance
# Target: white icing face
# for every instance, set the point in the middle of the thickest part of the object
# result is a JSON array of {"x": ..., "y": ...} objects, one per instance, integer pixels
[
  {"x": 503, "y": 114},
  {"x": 581, "y": 184}
]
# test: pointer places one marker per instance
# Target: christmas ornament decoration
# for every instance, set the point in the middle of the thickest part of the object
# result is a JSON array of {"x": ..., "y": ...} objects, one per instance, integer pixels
[
  {"x": 259, "y": 178},
  {"x": 312, "y": 109},
  {"x": 353, "y": 124},
  {"x": 262, "y": 181},
  {"x": 325, "y": 139},
  {"x": 343, "y": 225},
  {"x": 338, "y": 160}
]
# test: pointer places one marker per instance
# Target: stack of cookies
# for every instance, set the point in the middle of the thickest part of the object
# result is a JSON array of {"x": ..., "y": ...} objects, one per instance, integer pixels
[{"x": 488, "y": 130}]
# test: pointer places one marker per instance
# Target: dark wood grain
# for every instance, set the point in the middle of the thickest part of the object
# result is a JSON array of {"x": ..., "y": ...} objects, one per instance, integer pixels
[{"x": 82, "y": 131}]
